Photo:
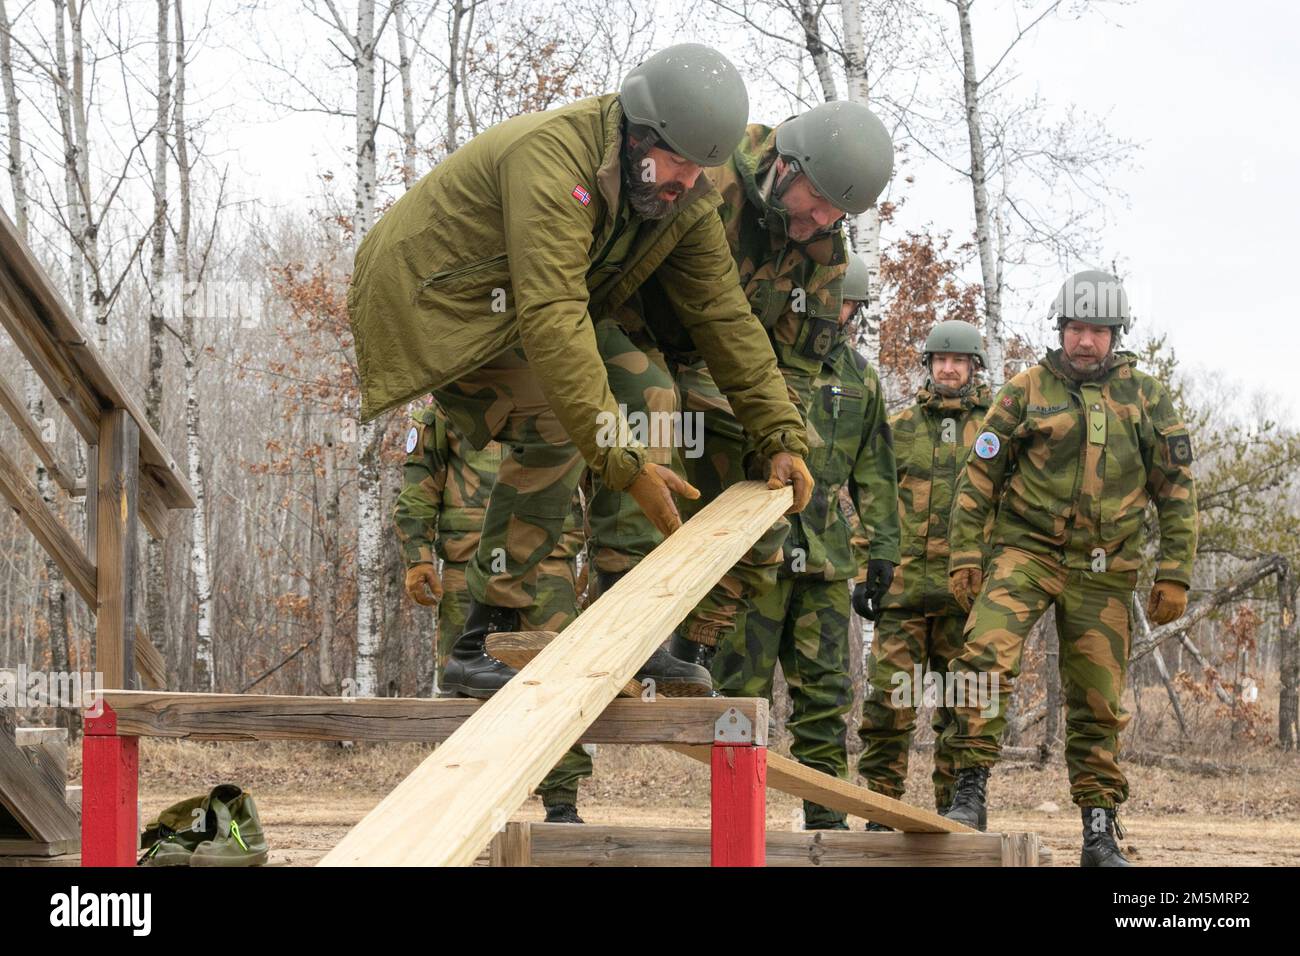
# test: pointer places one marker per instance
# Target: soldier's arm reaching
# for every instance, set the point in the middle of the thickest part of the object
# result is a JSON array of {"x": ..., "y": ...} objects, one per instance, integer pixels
[
  {"x": 415, "y": 515},
  {"x": 978, "y": 488},
  {"x": 700, "y": 281},
  {"x": 1173, "y": 489}
]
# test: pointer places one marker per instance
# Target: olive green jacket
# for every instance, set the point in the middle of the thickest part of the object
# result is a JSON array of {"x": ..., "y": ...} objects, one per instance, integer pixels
[
  {"x": 495, "y": 247},
  {"x": 851, "y": 446},
  {"x": 1071, "y": 468}
]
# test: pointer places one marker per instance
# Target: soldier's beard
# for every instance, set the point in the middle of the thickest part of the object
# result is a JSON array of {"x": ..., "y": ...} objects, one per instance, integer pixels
[
  {"x": 647, "y": 201},
  {"x": 1087, "y": 369}
]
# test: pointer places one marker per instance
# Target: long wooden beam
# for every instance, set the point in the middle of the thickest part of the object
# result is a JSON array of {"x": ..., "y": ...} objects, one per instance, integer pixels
[
  {"x": 117, "y": 498},
  {"x": 687, "y": 720},
  {"x": 73, "y": 371},
  {"x": 788, "y": 776},
  {"x": 558, "y": 844},
  {"x": 446, "y": 811},
  {"x": 17, "y": 412},
  {"x": 49, "y": 531}
]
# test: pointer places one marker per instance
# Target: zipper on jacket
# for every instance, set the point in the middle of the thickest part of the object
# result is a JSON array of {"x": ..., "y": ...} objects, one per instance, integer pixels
[{"x": 462, "y": 271}]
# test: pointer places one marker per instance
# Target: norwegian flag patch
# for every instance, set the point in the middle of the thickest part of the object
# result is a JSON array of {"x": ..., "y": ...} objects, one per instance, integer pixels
[{"x": 582, "y": 195}]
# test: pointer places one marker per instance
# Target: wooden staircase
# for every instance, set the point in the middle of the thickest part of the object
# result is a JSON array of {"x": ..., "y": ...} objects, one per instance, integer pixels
[{"x": 39, "y": 814}]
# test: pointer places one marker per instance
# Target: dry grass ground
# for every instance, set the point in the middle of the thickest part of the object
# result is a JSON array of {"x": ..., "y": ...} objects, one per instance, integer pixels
[{"x": 310, "y": 794}]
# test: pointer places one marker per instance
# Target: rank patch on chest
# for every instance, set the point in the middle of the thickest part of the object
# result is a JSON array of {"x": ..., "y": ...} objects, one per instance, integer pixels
[
  {"x": 412, "y": 438},
  {"x": 987, "y": 445},
  {"x": 582, "y": 195}
]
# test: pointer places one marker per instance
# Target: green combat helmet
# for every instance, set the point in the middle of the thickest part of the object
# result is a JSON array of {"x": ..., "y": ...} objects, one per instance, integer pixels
[
  {"x": 955, "y": 336},
  {"x": 694, "y": 100},
  {"x": 844, "y": 150},
  {"x": 856, "y": 280},
  {"x": 1094, "y": 297}
]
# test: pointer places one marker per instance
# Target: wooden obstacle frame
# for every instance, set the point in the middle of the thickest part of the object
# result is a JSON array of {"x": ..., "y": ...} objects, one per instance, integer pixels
[
  {"x": 459, "y": 801},
  {"x": 131, "y": 479}
]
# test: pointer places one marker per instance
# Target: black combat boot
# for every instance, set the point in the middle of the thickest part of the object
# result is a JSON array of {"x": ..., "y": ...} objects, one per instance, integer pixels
[
  {"x": 1101, "y": 829},
  {"x": 673, "y": 677},
  {"x": 562, "y": 813},
  {"x": 969, "y": 800},
  {"x": 470, "y": 671},
  {"x": 693, "y": 652}
]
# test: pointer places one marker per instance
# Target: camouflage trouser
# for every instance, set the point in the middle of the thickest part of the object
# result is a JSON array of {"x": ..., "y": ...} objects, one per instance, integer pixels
[
  {"x": 554, "y": 611},
  {"x": 713, "y": 467},
  {"x": 1092, "y": 620},
  {"x": 534, "y": 488},
  {"x": 906, "y": 640},
  {"x": 804, "y": 624}
]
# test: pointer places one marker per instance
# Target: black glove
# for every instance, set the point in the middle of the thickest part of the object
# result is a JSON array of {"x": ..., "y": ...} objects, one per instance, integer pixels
[{"x": 869, "y": 593}]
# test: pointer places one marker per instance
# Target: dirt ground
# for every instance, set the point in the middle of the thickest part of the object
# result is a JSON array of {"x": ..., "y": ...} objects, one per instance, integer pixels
[{"x": 309, "y": 794}]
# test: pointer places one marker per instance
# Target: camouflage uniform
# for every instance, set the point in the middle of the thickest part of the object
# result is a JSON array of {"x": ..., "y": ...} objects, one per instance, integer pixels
[
  {"x": 921, "y": 626},
  {"x": 1070, "y": 468},
  {"x": 439, "y": 515},
  {"x": 794, "y": 290},
  {"x": 801, "y": 616}
]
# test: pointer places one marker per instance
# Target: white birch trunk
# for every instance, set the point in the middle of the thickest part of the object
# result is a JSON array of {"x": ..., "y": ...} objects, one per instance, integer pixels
[
  {"x": 993, "y": 332},
  {"x": 866, "y": 227},
  {"x": 204, "y": 665},
  {"x": 369, "y": 520}
]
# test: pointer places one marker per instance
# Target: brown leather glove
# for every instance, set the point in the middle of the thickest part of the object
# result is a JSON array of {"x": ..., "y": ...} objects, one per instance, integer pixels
[
  {"x": 419, "y": 577},
  {"x": 1167, "y": 603},
  {"x": 788, "y": 469},
  {"x": 965, "y": 584},
  {"x": 653, "y": 490}
]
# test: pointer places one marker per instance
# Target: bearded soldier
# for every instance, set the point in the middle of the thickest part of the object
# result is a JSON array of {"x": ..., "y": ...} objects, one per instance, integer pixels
[
  {"x": 801, "y": 616},
  {"x": 492, "y": 283},
  {"x": 1070, "y": 455},
  {"x": 920, "y": 627},
  {"x": 439, "y": 516}
]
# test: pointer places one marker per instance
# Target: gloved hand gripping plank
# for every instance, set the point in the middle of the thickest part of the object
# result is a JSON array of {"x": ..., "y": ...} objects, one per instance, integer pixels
[
  {"x": 447, "y": 810},
  {"x": 788, "y": 776}
]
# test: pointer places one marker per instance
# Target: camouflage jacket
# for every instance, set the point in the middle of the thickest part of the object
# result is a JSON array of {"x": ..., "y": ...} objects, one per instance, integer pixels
[
  {"x": 793, "y": 288},
  {"x": 445, "y": 489},
  {"x": 1071, "y": 467},
  {"x": 850, "y": 445},
  {"x": 932, "y": 440}
]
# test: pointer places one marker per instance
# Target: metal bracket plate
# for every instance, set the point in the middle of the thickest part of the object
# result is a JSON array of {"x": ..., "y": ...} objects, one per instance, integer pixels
[{"x": 733, "y": 727}]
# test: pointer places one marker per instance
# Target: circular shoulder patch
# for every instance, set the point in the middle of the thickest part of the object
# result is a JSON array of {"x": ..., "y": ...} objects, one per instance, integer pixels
[
  {"x": 412, "y": 437},
  {"x": 987, "y": 445}
]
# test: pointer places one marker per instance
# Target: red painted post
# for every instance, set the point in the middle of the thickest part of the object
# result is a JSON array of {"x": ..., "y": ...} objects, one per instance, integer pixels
[
  {"x": 739, "y": 805},
  {"x": 110, "y": 780}
]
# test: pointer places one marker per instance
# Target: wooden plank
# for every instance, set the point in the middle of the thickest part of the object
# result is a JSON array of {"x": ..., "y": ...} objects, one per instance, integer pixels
[
  {"x": 50, "y": 314},
  {"x": 150, "y": 667},
  {"x": 1020, "y": 849},
  {"x": 555, "y": 844},
  {"x": 446, "y": 811},
  {"x": 47, "y": 747},
  {"x": 58, "y": 543},
  {"x": 29, "y": 798},
  {"x": 788, "y": 776},
  {"x": 513, "y": 845},
  {"x": 54, "y": 369},
  {"x": 17, "y": 411},
  {"x": 270, "y": 717},
  {"x": 38, "y": 848},
  {"x": 115, "y": 530}
]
